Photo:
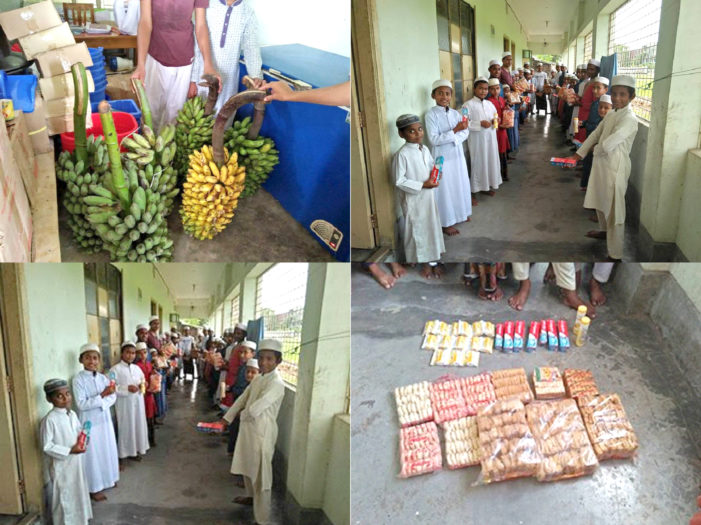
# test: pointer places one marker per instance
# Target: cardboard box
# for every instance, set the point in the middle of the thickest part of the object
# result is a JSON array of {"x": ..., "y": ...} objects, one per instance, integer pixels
[
  {"x": 28, "y": 20},
  {"x": 60, "y": 61},
  {"x": 119, "y": 87},
  {"x": 15, "y": 213},
  {"x": 37, "y": 128},
  {"x": 24, "y": 155},
  {"x": 47, "y": 40},
  {"x": 60, "y": 124},
  {"x": 61, "y": 86}
]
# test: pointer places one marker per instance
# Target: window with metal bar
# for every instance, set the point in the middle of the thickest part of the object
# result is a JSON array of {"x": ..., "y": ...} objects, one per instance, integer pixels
[
  {"x": 234, "y": 310},
  {"x": 633, "y": 33},
  {"x": 588, "y": 47},
  {"x": 280, "y": 297}
]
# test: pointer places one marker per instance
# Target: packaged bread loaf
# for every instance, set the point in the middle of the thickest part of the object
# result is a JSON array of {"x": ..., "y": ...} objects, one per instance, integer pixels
[
  {"x": 462, "y": 447},
  {"x": 462, "y": 328},
  {"x": 483, "y": 344},
  {"x": 437, "y": 327},
  {"x": 483, "y": 328},
  {"x": 447, "y": 400},
  {"x": 414, "y": 403},
  {"x": 419, "y": 450},
  {"x": 512, "y": 383},
  {"x": 562, "y": 440},
  {"x": 508, "y": 449},
  {"x": 431, "y": 342},
  {"x": 579, "y": 383},
  {"x": 547, "y": 383},
  {"x": 609, "y": 429},
  {"x": 477, "y": 391}
]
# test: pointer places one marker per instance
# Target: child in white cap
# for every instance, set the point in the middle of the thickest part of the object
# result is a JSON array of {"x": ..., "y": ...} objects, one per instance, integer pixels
[
  {"x": 64, "y": 474},
  {"x": 597, "y": 87},
  {"x": 418, "y": 219},
  {"x": 611, "y": 142},
  {"x": 446, "y": 132},
  {"x": 258, "y": 408}
]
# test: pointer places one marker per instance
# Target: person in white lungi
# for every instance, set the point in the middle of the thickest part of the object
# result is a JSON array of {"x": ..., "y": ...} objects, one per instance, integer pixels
[
  {"x": 64, "y": 473},
  {"x": 484, "y": 149},
  {"x": 132, "y": 429},
  {"x": 446, "y": 132},
  {"x": 94, "y": 395},
  {"x": 258, "y": 408},
  {"x": 417, "y": 212},
  {"x": 612, "y": 141},
  {"x": 581, "y": 85},
  {"x": 166, "y": 48},
  {"x": 126, "y": 14},
  {"x": 232, "y": 28}
]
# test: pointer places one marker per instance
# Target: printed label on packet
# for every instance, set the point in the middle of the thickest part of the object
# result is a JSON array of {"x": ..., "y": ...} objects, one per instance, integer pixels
[
  {"x": 552, "y": 335},
  {"x": 509, "y": 336},
  {"x": 499, "y": 336},
  {"x": 543, "y": 338},
  {"x": 563, "y": 335},
  {"x": 520, "y": 331},
  {"x": 533, "y": 332}
]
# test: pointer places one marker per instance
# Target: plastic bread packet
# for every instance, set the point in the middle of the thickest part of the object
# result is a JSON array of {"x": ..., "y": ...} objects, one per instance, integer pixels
[
  {"x": 414, "y": 403},
  {"x": 430, "y": 342},
  {"x": 419, "y": 450},
  {"x": 608, "y": 427},
  {"x": 447, "y": 399}
]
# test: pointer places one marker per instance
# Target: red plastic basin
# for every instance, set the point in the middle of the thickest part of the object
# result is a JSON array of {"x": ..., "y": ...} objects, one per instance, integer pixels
[{"x": 124, "y": 123}]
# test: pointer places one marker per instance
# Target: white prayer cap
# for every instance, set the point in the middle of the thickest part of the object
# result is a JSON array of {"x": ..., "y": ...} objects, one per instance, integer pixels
[
  {"x": 527, "y": 71},
  {"x": 623, "y": 80},
  {"x": 249, "y": 344},
  {"x": 505, "y": 54},
  {"x": 441, "y": 83},
  {"x": 227, "y": 331},
  {"x": 605, "y": 98},
  {"x": 241, "y": 326},
  {"x": 127, "y": 343},
  {"x": 601, "y": 80},
  {"x": 270, "y": 344},
  {"x": 219, "y": 340},
  {"x": 141, "y": 346},
  {"x": 594, "y": 62},
  {"x": 481, "y": 79},
  {"x": 141, "y": 326},
  {"x": 252, "y": 363},
  {"x": 88, "y": 347},
  {"x": 493, "y": 82},
  {"x": 153, "y": 318},
  {"x": 519, "y": 69},
  {"x": 494, "y": 63},
  {"x": 152, "y": 350}
]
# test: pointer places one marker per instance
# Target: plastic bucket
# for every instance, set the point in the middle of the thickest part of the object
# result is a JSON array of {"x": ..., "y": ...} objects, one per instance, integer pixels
[
  {"x": 126, "y": 106},
  {"x": 124, "y": 123}
]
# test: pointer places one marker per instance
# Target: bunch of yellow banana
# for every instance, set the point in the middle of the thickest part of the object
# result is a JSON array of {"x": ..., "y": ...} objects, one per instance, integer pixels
[{"x": 211, "y": 193}]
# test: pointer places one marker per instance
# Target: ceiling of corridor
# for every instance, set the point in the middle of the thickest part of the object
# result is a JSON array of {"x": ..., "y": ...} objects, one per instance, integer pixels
[
  {"x": 193, "y": 285},
  {"x": 533, "y": 15}
]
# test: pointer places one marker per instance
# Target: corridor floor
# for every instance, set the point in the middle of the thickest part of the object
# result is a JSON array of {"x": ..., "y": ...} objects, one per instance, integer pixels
[
  {"x": 626, "y": 354},
  {"x": 185, "y": 479},
  {"x": 537, "y": 215}
]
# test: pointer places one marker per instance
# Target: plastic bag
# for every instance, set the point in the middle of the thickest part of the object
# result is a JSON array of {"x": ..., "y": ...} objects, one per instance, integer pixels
[
  {"x": 462, "y": 328},
  {"x": 447, "y": 400},
  {"x": 507, "y": 120},
  {"x": 579, "y": 383},
  {"x": 562, "y": 440},
  {"x": 419, "y": 450},
  {"x": 436, "y": 327},
  {"x": 483, "y": 344},
  {"x": 431, "y": 342},
  {"x": 512, "y": 383},
  {"x": 462, "y": 447},
  {"x": 21, "y": 89},
  {"x": 610, "y": 432},
  {"x": 547, "y": 383},
  {"x": 454, "y": 357},
  {"x": 509, "y": 450},
  {"x": 414, "y": 403},
  {"x": 478, "y": 392},
  {"x": 483, "y": 328}
]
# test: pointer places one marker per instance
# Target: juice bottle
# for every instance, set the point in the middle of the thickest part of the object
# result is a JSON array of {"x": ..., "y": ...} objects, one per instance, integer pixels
[{"x": 581, "y": 337}]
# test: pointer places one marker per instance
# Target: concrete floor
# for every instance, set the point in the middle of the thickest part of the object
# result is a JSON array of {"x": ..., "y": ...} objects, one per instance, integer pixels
[
  {"x": 261, "y": 230},
  {"x": 626, "y": 354},
  {"x": 185, "y": 479}
]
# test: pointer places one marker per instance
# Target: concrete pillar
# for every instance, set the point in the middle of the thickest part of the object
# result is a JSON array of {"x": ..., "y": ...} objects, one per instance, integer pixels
[
  {"x": 324, "y": 365},
  {"x": 674, "y": 124},
  {"x": 579, "y": 50},
  {"x": 227, "y": 313},
  {"x": 600, "y": 36},
  {"x": 247, "y": 299}
]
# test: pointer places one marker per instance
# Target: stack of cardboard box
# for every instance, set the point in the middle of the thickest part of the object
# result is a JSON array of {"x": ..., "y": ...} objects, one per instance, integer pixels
[{"x": 50, "y": 43}]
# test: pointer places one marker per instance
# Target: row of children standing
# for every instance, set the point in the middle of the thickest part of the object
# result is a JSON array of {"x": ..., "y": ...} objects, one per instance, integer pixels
[{"x": 430, "y": 206}]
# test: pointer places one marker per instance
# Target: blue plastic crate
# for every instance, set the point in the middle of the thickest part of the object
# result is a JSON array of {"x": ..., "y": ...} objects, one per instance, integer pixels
[{"x": 126, "y": 106}]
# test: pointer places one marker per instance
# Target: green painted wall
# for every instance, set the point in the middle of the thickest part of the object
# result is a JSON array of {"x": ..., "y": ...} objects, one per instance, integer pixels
[
  {"x": 337, "y": 478},
  {"x": 488, "y": 46},
  {"x": 55, "y": 297},
  {"x": 689, "y": 237}
]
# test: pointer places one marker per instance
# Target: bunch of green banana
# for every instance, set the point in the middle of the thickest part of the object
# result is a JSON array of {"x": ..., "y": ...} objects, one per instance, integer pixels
[
  {"x": 258, "y": 155},
  {"x": 153, "y": 157},
  {"x": 194, "y": 130}
]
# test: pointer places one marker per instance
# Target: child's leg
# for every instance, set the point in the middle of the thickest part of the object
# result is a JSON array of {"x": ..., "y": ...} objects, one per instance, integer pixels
[
  {"x": 586, "y": 171},
  {"x": 504, "y": 166},
  {"x": 151, "y": 433},
  {"x": 261, "y": 502},
  {"x": 483, "y": 292},
  {"x": 614, "y": 238},
  {"x": 383, "y": 278},
  {"x": 233, "y": 434}
]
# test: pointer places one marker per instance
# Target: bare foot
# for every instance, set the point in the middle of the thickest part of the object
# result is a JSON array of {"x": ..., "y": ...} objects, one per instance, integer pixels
[
  {"x": 474, "y": 201},
  {"x": 596, "y": 294},
  {"x": 383, "y": 278},
  {"x": 493, "y": 281},
  {"x": 549, "y": 276},
  {"x": 571, "y": 299},
  {"x": 596, "y": 234},
  {"x": 438, "y": 271},
  {"x": 450, "y": 231},
  {"x": 121, "y": 466},
  {"x": 426, "y": 271},
  {"x": 501, "y": 271},
  {"x": 243, "y": 500},
  {"x": 483, "y": 294},
  {"x": 98, "y": 496},
  {"x": 518, "y": 300},
  {"x": 491, "y": 193},
  {"x": 397, "y": 270},
  {"x": 496, "y": 295}
]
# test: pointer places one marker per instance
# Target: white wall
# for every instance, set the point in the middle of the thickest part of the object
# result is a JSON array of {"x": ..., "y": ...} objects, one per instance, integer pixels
[
  {"x": 688, "y": 275},
  {"x": 323, "y": 24}
]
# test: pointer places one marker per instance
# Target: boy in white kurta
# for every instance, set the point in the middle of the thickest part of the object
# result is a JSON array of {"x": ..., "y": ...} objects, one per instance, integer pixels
[
  {"x": 446, "y": 133},
  {"x": 257, "y": 408},
  {"x": 132, "y": 429},
  {"x": 417, "y": 211},
  {"x": 63, "y": 464},
  {"x": 94, "y": 395},
  {"x": 484, "y": 149},
  {"x": 612, "y": 141}
]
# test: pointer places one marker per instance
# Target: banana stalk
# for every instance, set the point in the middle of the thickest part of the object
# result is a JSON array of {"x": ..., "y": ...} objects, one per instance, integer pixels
[
  {"x": 258, "y": 112},
  {"x": 211, "y": 82},
  {"x": 146, "y": 118},
  {"x": 118, "y": 182},
  {"x": 80, "y": 109},
  {"x": 229, "y": 109}
]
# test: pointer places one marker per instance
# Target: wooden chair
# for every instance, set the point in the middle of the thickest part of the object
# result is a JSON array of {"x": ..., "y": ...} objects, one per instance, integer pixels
[{"x": 78, "y": 14}]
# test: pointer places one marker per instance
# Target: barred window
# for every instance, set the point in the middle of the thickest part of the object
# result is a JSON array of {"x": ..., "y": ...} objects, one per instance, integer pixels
[
  {"x": 234, "y": 310},
  {"x": 280, "y": 297},
  {"x": 633, "y": 33},
  {"x": 588, "y": 47}
]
